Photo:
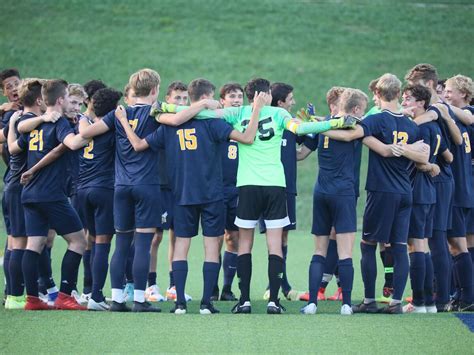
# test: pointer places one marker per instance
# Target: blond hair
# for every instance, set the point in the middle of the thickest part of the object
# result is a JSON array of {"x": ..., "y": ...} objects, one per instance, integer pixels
[
  {"x": 144, "y": 81},
  {"x": 334, "y": 94},
  {"x": 388, "y": 87},
  {"x": 464, "y": 84},
  {"x": 76, "y": 90},
  {"x": 352, "y": 98}
]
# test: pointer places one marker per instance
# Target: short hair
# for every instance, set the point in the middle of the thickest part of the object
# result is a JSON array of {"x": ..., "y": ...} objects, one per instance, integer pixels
[
  {"x": 126, "y": 90},
  {"x": 280, "y": 91},
  {"x": 229, "y": 87},
  {"x": 8, "y": 73},
  {"x": 423, "y": 72},
  {"x": 77, "y": 90},
  {"x": 29, "y": 91},
  {"x": 334, "y": 94},
  {"x": 373, "y": 84},
  {"x": 105, "y": 100},
  {"x": 257, "y": 84},
  {"x": 92, "y": 86},
  {"x": 463, "y": 84},
  {"x": 144, "y": 81},
  {"x": 199, "y": 87},
  {"x": 388, "y": 87},
  {"x": 351, "y": 98},
  {"x": 52, "y": 90},
  {"x": 442, "y": 82},
  {"x": 176, "y": 86},
  {"x": 419, "y": 93}
]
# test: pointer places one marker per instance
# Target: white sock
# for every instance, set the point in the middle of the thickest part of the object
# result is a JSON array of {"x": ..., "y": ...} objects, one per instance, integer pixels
[
  {"x": 117, "y": 295},
  {"x": 139, "y": 296}
]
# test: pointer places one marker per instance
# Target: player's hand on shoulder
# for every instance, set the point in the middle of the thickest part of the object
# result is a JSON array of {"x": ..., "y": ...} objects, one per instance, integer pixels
[
  {"x": 15, "y": 116},
  {"x": 52, "y": 117},
  {"x": 408, "y": 111},
  {"x": 121, "y": 114},
  {"x": 443, "y": 109},
  {"x": 9, "y": 106},
  {"x": 211, "y": 104}
]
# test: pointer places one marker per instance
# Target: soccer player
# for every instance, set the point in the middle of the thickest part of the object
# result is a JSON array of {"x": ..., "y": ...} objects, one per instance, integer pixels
[
  {"x": 334, "y": 205},
  {"x": 198, "y": 192},
  {"x": 46, "y": 204}
]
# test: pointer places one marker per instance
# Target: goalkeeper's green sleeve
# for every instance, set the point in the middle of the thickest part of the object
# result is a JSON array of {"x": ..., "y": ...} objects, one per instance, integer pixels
[
  {"x": 302, "y": 128},
  {"x": 201, "y": 115}
]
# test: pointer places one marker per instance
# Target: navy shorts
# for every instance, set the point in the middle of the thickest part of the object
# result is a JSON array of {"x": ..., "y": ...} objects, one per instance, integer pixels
[
  {"x": 167, "y": 209},
  {"x": 442, "y": 218},
  {"x": 137, "y": 207},
  {"x": 96, "y": 210},
  {"x": 470, "y": 222},
  {"x": 458, "y": 228},
  {"x": 40, "y": 217},
  {"x": 6, "y": 218},
  {"x": 387, "y": 217},
  {"x": 333, "y": 210},
  {"x": 230, "y": 205},
  {"x": 16, "y": 212},
  {"x": 421, "y": 221},
  {"x": 187, "y": 219}
]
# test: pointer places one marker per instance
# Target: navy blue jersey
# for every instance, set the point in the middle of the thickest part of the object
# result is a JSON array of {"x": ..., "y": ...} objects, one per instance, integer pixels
[
  {"x": 446, "y": 174},
  {"x": 288, "y": 158},
  {"x": 195, "y": 149},
  {"x": 5, "y": 153},
  {"x": 162, "y": 169},
  {"x": 389, "y": 174},
  {"x": 131, "y": 167},
  {"x": 423, "y": 184},
  {"x": 49, "y": 183},
  {"x": 72, "y": 166},
  {"x": 357, "y": 162},
  {"x": 470, "y": 130},
  {"x": 96, "y": 162},
  {"x": 230, "y": 163}
]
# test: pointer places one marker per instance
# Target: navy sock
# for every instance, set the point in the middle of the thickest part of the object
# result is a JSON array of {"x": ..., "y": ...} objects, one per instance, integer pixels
[
  {"x": 16, "y": 273},
  {"x": 441, "y": 265},
  {"x": 229, "y": 266},
  {"x": 69, "y": 271},
  {"x": 471, "y": 252},
  {"x": 151, "y": 279},
  {"x": 180, "y": 273},
  {"x": 285, "y": 284},
  {"x": 331, "y": 261},
  {"x": 401, "y": 269},
  {"x": 129, "y": 266},
  {"x": 6, "y": 270},
  {"x": 463, "y": 267},
  {"x": 216, "y": 283},
  {"x": 45, "y": 272},
  {"x": 210, "y": 273},
  {"x": 99, "y": 270},
  {"x": 86, "y": 261},
  {"x": 429, "y": 280},
  {"x": 417, "y": 277},
  {"x": 275, "y": 270},
  {"x": 316, "y": 269},
  {"x": 141, "y": 261},
  {"x": 346, "y": 276},
  {"x": 123, "y": 240},
  {"x": 388, "y": 266},
  {"x": 29, "y": 265},
  {"x": 244, "y": 273},
  {"x": 368, "y": 266},
  {"x": 172, "y": 283}
]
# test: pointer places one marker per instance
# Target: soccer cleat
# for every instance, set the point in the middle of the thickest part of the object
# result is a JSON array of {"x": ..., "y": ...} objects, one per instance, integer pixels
[
  {"x": 178, "y": 308},
  {"x": 366, "y": 308},
  {"x": 228, "y": 296},
  {"x": 386, "y": 295},
  {"x": 68, "y": 303},
  {"x": 409, "y": 299},
  {"x": 36, "y": 304},
  {"x": 52, "y": 297},
  {"x": 292, "y": 295},
  {"x": 321, "y": 294},
  {"x": 145, "y": 307},
  {"x": 152, "y": 294},
  {"x": 43, "y": 297},
  {"x": 171, "y": 295},
  {"x": 464, "y": 307},
  {"x": 119, "y": 307},
  {"x": 244, "y": 308},
  {"x": 442, "y": 308},
  {"x": 266, "y": 295},
  {"x": 304, "y": 296},
  {"x": 431, "y": 309},
  {"x": 411, "y": 308},
  {"x": 452, "y": 306},
  {"x": 97, "y": 306},
  {"x": 76, "y": 296},
  {"x": 84, "y": 299},
  {"x": 310, "y": 308},
  {"x": 337, "y": 295},
  {"x": 393, "y": 309},
  {"x": 346, "y": 310},
  {"x": 275, "y": 308},
  {"x": 128, "y": 292},
  {"x": 15, "y": 302},
  {"x": 215, "y": 294},
  {"x": 208, "y": 309}
]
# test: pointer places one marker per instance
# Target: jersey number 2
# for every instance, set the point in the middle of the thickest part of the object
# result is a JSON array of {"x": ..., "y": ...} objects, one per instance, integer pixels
[{"x": 36, "y": 140}]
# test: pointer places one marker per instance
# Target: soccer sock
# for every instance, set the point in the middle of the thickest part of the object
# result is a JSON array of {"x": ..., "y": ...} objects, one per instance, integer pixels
[
  {"x": 326, "y": 280},
  {"x": 151, "y": 279},
  {"x": 69, "y": 271},
  {"x": 216, "y": 283},
  {"x": 6, "y": 270},
  {"x": 123, "y": 240},
  {"x": 244, "y": 273},
  {"x": 16, "y": 273},
  {"x": 388, "y": 266},
  {"x": 210, "y": 273},
  {"x": 463, "y": 268},
  {"x": 441, "y": 265},
  {"x": 86, "y": 261},
  {"x": 99, "y": 270},
  {"x": 172, "y": 283},
  {"x": 275, "y": 270},
  {"x": 338, "y": 280},
  {"x": 401, "y": 270},
  {"x": 45, "y": 272},
  {"x": 229, "y": 266},
  {"x": 180, "y": 273},
  {"x": 29, "y": 265},
  {"x": 316, "y": 269},
  {"x": 346, "y": 275},
  {"x": 285, "y": 284},
  {"x": 129, "y": 266},
  {"x": 141, "y": 262},
  {"x": 417, "y": 277},
  {"x": 429, "y": 280},
  {"x": 331, "y": 263},
  {"x": 368, "y": 266}
]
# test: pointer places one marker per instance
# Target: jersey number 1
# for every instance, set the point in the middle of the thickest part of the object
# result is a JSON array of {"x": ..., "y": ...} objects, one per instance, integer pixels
[
  {"x": 36, "y": 140},
  {"x": 187, "y": 139}
]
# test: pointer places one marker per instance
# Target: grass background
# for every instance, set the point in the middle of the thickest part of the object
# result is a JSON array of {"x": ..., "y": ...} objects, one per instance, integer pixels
[{"x": 312, "y": 45}]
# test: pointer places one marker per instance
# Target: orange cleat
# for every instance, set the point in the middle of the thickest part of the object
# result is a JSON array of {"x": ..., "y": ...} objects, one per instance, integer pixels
[
  {"x": 337, "y": 295},
  {"x": 321, "y": 295},
  {"x": 409, "y": 299},
  {"x": 36, "y": 304},
  {"x": 68, "y": 302},
  {"x": 304, "y": 297}
]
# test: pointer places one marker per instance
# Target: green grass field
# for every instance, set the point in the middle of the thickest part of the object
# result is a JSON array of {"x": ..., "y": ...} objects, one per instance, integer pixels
[{"x": 311, "y": 44}]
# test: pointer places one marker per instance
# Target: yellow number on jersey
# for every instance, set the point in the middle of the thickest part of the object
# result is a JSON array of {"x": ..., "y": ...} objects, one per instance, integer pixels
[
  {"x": 232, "y": 152},
  {"x": 36, "y": 140},
  {"x": 438, "y": 142},
  {"x": 400, "y": 137},
  {"x": 326, "y": 142},
  {"x": 467, "y": 142},
  {"x": 133, "y": 123},
  {"x": 88, "y": 150},
  {"x": 187, "y": 139}
]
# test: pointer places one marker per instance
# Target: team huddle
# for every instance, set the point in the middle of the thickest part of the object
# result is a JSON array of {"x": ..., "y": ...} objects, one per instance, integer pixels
[{"x": 135, "y": 171}]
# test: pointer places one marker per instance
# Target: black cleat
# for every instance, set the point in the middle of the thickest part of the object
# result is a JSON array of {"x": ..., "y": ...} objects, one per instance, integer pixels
[
  {"x": 144, "y": 307},
  {"x": 275, "y": 307},
  {"x": 178, "y": 308},
  {"x": 366, "y": 308},
  {"x": 228, "y": 296},
  {"x": 244, "y": 308},
  {"x": 441, "y": 308},
  {"x": 452, "y": 306},
  {"x": 208, "y": 309},
  {"x": 119, "y": 307},
  {"x": 464, "y": 307},
  {"x": 215, "y": 294},
  {"x": 392, "y": 309}
]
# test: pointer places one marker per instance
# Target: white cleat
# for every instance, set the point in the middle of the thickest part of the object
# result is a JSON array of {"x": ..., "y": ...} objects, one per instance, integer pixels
[
  {"x": 97, "y": 306},
  {"x": 76, "y": 296},
  {"x": 309, "y": 309},
  {"x": 410, "y": 308},
  {"x": 152, "y": 294},
  {"x": 431, "y": 309},
  {"x": 346, "y": 310},
  {"x": 84, "y": 299}
]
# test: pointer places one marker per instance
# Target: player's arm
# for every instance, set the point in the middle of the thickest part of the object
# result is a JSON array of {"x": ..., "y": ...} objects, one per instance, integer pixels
[
  {"x": 448, "y": 157},
  {"x": 418, "y": 152},
  {"x": 30, "y": 124},
  {"x": 49, "y": 158},
  {"x": 378, "y": 147},
  {"x": 441, "y": 110},
  {"x": 184, "y": 113},
  {"x": 432, "y": 169},
  {"x": 75, "y": 141},
  {"x": 465, "y": 116},
  {"x": 12, "y": 142},
  {"x": 248, "y": 136},
  {"x": 302, "y": 128},
  {"x": 88, "y": 131},
  {"x": 303, "y": 152},
  {"x": 346, "y": 135},
  {"x": 137, "y": 143}
]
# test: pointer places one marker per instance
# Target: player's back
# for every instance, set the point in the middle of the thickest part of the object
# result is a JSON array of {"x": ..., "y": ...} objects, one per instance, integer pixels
[{"x": 230, "y": 163}]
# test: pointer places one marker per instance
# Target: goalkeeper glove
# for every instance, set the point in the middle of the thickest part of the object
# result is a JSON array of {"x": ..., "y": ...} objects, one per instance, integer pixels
[
  {"x": 162, "y": 107},
  {"x": 344, "y": 122},
  {"x": 304, "y": 115}
]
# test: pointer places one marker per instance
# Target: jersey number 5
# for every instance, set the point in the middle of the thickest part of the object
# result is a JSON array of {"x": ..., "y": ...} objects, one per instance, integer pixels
[
  {"x": 265, "y": 134},
  {"x": 187, "y": 139},
  {"x": 36, "y": 140}
]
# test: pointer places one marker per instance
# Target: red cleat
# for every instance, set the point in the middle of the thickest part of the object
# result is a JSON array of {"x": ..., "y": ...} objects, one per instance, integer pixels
[
  {"x": 68, "y": 302},
  {"x": 337, "y": 295},
  {"x": 36, "y": 304},
  {"x": 304, "y": 297},
  {"x": 409, "y": 299},
  {"x": 321, "y": 295}
]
